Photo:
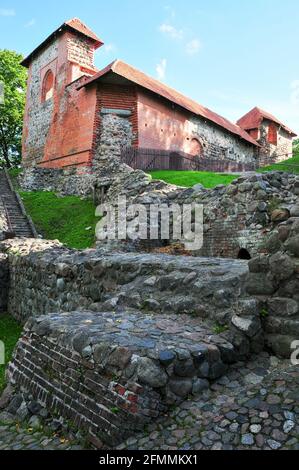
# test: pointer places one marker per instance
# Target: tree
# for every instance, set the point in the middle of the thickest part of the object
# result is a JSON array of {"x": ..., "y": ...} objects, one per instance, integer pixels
[
  {"x": 13, "y": 77},
  {"x": 296, "y": 146}
]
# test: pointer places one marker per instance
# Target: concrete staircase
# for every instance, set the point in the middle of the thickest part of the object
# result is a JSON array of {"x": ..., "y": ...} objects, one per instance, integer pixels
[{"x": 20, "y": 225}]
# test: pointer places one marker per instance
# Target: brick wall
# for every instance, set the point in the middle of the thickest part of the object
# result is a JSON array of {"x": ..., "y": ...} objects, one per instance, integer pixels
[
  {"x": 165, "y": 126},
  {"x": 70, "y": 138},
  {"x": 77, "y": 389},
  {"x": 59, "y": 132}
]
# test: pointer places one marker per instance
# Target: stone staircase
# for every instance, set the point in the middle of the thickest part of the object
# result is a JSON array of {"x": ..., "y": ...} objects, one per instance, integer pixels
[{"x": 19, "y": 224}]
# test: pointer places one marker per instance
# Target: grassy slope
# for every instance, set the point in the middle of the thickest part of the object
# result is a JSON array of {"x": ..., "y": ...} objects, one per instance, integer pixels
[
  {"x": 10, "y": 332},
  {"x": 62, "y": 218},
  {"x": 291, "y": 165},
  {"x": 190, "y": 178}
]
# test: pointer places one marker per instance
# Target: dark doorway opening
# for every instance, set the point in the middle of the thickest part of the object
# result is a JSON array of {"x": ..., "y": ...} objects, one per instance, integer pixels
[{"x": 244, "y": 254}]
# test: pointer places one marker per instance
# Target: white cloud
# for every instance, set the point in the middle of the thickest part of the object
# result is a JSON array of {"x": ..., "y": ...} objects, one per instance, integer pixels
[
  {"x": 7, "y": 12},
  {"x": 193, "y": 46},
  {"x": 30, "y": 23},
  {"x": 108, "y": 48},
  {"x": 161, "y": 69},
  {"x": 171, "y": 31}
]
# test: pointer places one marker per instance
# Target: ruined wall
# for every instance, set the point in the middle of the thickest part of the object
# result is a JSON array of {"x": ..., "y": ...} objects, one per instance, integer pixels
[
  {"x": 142, "y": 337},
  {"x": 269, "y": 153},
  {"x": 236, "y": 217},
  {"x": 163, "y": 125},
  {"x": 57, "y": 370},
  {"x": 4, "y": 283},
  {"x": 112, "y": 373},
  {"x": 67, "y": 182},
  {"x": 239, "y": 216},
  {"x": 274, "y": 281},
  {"x": 57, "y": 279},
  {"x": 3, "y": 220}
]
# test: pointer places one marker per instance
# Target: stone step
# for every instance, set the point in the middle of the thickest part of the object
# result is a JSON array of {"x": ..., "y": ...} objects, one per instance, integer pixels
[
  {"x": 120, "y": 369},
  {"x": 18, "y": 221}
]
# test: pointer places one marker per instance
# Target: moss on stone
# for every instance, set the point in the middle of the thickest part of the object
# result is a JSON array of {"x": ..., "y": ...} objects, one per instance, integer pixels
[{"x": 10, "y": 332}]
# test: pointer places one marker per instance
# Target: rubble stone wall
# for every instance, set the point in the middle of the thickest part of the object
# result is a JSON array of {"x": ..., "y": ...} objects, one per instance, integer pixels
[
  {"x": 3, "y": 221},
  {"x": 269, "y": 153},
  {"x": 4, "y": 283},
  {"x": 236, "y": 217},
  {"x": 57, "y": 279},
  {"x": 113, "y": 373},
  {"x": 38, "y": 115},
  {"x": 274, "y": 281}
]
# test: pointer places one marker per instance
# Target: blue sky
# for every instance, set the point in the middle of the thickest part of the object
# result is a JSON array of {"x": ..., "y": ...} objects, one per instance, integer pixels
[{"x": 230, "y": 55}]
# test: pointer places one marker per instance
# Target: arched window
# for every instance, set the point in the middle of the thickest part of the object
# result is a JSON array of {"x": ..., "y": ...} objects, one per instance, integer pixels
[
  {"x": 272, "y": 133},
  {"x": 48, "y": 86},
  {"x": 195, "y": 148}
]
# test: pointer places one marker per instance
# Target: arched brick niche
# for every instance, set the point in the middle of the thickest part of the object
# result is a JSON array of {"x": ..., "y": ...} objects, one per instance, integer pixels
[
  {"x": 196, "y": 148},
  {"x": 48, "y": 86}
]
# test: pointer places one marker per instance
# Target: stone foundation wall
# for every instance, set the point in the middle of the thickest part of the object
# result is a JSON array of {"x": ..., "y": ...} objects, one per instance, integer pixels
[
  {"x": 57, "y": 279},
  {"x": 4, "y": 283},
  {"x": 3, "y": 221},
  {"x": 65, "y": 182},
  {"x": 236, "y": 217},
  {"x": 113, "y": 373},
  {"x": 74, "y": 387},
  {"x": 274, "y": 281}
]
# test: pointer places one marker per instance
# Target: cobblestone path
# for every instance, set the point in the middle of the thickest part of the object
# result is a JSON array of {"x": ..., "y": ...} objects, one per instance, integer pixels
[
  {"x": 256, "y": 406},
  {"x": 17, "y": 437}
]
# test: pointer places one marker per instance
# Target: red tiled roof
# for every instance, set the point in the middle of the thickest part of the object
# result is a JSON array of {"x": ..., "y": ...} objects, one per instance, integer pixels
[
  {"x": 77, "y": 24},
  {"x": 253, "y": 119},
  {"x": 130, "y": 73},
  {"x": 73, "y": 24}
]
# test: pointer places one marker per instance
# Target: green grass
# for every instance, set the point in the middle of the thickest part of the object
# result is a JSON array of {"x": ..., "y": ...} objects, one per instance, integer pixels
[
  {"x": 62, "y": 218},
  {"x": 14, "y": 173},
  {"x": 10, "y": 332},
  {"x": 290, "y": 166},
  {"x": 190, "y": 178}
]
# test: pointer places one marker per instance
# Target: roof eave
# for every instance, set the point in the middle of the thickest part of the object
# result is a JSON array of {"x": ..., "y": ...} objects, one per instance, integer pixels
[
  {"x": 26, "y": 62},
  {"x": 109, "y": 69}
]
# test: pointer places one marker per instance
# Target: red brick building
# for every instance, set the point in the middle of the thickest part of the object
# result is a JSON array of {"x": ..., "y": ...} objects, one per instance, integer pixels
[
  {"x": 274, "y": 137},
  {"x": 73, "y": 111}
]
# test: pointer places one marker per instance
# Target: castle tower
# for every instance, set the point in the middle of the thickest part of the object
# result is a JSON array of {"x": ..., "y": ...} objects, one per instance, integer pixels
[{"x": 58, "y": 118}]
